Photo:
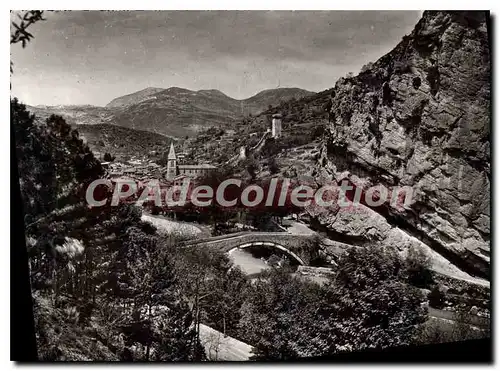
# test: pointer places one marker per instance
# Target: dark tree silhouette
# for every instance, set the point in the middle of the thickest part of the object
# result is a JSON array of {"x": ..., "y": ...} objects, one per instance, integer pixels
[{"x": 21, "y": 33}]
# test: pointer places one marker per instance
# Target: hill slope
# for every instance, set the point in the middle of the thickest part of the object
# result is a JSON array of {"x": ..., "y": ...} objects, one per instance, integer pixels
[
  {"x": 122, "y": 142},
  {"x": 181, "y": 112},
  {"x": 92, "y": 124},
  {"x": 174, "y": 111},
  {"x": 133, "y": 98},
  {"x": 74, "y": 115}
]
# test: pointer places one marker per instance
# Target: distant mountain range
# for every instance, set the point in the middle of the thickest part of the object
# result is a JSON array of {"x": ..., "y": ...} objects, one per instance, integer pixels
[{"x": 174, "y": 112}]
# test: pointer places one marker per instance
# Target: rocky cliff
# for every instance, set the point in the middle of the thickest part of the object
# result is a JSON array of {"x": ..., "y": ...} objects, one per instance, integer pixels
[{"x": 419, "y": 117}]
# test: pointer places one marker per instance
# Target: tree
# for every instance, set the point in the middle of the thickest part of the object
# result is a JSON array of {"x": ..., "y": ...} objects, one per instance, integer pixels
[
  {"x": 108, "y": 157},
  {"x": 366, "y": 304},
  {"x": 100, "y": 263},
  {"x": 160, "y": 320},
  {"x": 275, "y": 316},
  {"x": 221, "y": 310},
  {"x": 436, "y": 297},
  {"x": 55, "y": 165},
  {"x": 418, "y": 263},
  {"x": 21, "y": 33},
  {"x": 371, "y": 297},
  {"x": 273, "y": 166},
  {"x": 213, "y": 287}
]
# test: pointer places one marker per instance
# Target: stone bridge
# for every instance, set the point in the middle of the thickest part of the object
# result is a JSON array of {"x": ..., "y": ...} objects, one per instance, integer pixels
[{"x": 299, "y": 247}]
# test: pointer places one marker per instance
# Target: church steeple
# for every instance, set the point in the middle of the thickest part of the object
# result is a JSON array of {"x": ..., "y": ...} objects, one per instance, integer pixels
[
  {"x": 171, "y": 152},
  {"x": 171, "y": 163}
]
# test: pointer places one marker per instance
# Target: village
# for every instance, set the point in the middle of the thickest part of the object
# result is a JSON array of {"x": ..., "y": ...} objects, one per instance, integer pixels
[{"x": 143, "y": 169}]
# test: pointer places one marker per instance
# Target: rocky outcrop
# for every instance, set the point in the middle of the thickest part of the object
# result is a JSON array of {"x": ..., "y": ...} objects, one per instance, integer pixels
[{"x": 420, "y": 117}]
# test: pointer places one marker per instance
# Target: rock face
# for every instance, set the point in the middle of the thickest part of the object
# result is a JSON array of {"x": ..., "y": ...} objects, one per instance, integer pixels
[{"x": 420, "y": 117}]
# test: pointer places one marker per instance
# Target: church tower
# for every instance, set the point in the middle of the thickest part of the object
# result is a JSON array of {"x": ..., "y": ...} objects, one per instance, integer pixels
[
  {"x": 171, "y": 163},
  {"x": 276, "y": 126}
]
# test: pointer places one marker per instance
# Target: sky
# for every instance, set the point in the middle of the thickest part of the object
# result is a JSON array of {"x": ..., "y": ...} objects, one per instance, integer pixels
[{"x": 92, "y": 57}]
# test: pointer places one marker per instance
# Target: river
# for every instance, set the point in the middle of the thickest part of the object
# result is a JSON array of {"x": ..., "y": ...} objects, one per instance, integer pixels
[{"x": 247, "y": 262}]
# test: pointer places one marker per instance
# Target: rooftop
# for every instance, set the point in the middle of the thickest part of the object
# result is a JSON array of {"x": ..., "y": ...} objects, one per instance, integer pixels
[
  {"x": 197, "y": 166},
  {"x": 182, "y": 176}
]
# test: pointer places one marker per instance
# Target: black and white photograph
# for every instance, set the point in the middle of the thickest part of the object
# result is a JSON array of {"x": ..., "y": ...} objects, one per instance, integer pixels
[{"x": 250, "y": 185}]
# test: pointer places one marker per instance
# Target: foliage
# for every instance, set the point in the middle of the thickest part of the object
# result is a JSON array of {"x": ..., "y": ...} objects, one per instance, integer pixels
[
  {"x": 94, "y": 271},
  {"x": 27, "y": 19},
  {"x": 108, "y": 157},
  {"x": 276, "y": 314},
  {"x": 54, "y": 164},
  {"x": 367, "y": 68},
  {"x": 436, "y": 297},
  {"x": 252, "y": 167},
  {"x": 159, "y": 321},
  {"x": 373, "y": 288},
  {"x": 367, "y": 304},
  {"x": 419, "y": 273},
  {"x": 445, "y": 331},
  {"x": 213, "y": 285},
  {"x": 21, "y": 33}
]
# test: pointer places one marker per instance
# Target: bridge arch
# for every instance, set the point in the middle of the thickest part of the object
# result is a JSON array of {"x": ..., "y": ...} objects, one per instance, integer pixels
[{"x": 270, "y": 244}]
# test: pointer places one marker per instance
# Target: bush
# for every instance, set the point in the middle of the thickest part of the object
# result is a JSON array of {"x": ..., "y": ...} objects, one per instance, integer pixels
[
  {"x": 436, "y": 298},
  {"x": 108, "y": 157},
  {"x": 367, "y": 304},
  {"x": 155, "y": 210},
  {"x": 214, "y": 132},
  {"x": 419, "y": 274},
  {"x": 252, "y": 167},
  {"x": 436, "y": 331},
  {"x": 317, "y": 132},
  {"x": 273, "y": 166},
  {"x": 367, "y": 67}
]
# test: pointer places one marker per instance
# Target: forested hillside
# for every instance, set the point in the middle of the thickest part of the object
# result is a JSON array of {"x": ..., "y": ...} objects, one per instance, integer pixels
[{"x": 93, "y": 279}]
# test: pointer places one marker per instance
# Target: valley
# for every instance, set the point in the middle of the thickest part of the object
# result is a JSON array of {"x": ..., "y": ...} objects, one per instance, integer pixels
[{"x": 143, "y": 279}]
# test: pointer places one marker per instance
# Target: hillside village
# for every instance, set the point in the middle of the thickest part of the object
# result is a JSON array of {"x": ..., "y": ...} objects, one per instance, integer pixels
[
  {"x": 177, "y": 166},
  {"x": 213, "y": 283}
]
